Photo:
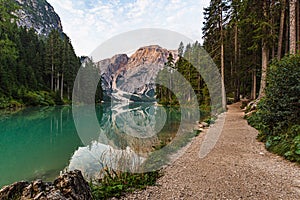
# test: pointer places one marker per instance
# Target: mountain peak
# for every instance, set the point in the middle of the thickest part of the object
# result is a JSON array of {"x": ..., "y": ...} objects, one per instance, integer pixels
[
  {"x": 39, "y": 15},
  {"x": 150, "y": 47},
  {"x": 153, "y": 54},
  {"x": 134, "y": 78}
]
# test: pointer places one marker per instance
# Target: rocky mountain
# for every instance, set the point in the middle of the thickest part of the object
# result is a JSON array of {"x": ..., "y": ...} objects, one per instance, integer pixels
[
  {"x": 38, "y": 14},
  {"x": 133, "y": 78}
]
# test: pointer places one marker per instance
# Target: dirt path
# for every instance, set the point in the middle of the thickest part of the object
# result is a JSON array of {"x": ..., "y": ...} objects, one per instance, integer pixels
[{"x": 238, "y": 167}]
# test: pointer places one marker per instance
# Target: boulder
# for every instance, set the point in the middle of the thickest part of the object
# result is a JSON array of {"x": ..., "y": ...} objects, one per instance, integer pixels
[
  {"x": 70, "y": 185},
  {"x": 204, "y": 124}
]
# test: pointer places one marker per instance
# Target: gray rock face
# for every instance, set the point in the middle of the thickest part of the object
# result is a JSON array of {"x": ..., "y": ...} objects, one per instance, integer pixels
[
  {"x": 70, "y": 185},
  {"x": 39, "y": 15},
  {"x": 133, "y": 78},
  {"x": 111, "y": 68}
]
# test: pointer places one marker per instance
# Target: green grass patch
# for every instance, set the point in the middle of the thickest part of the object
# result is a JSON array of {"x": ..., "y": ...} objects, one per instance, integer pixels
[{"x": 116, "y": 184}]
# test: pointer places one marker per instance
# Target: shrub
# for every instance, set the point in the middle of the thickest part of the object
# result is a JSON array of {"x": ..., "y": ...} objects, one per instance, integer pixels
[
  {"x": 42, "y": 98},
  {"x": 15, "y": 104},
  {"x": 32, "y": 99},
  {"x": 4, "y": 102},
  {"x": 278, "y": 115}
]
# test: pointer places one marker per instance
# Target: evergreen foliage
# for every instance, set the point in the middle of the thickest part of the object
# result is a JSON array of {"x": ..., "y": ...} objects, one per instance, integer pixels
[
  {"x": 33, "y": 70},
  {"x": 257, "y": 36},
  {"x": 251, "y": 33},
  {"x": 183, "y": 67},
  {"x": 278, "y": 115}
]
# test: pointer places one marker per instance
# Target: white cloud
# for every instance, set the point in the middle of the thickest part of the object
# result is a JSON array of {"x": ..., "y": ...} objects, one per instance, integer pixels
[{"x": 88, "y": 25}]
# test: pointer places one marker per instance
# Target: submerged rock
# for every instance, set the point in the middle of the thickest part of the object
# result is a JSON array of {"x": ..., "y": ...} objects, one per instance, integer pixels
[{"x": 70, "y": 185}]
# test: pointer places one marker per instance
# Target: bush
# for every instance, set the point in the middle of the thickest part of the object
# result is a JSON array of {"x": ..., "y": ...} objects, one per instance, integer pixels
[
  {"x": 42, "y": 98},
  {"x": 3, "y": 102},
  {"x": 278, "y": 115},
  {"x": 15, "y": 104},
  {"x": 32, "y": 99}
]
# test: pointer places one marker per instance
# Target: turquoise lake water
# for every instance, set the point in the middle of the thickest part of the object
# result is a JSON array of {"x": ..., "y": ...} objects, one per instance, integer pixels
[{"x": 43, "y": 141}]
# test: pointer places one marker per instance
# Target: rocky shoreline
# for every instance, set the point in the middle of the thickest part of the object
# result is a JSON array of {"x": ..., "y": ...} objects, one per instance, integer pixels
[{"x": 70, "y": 185}]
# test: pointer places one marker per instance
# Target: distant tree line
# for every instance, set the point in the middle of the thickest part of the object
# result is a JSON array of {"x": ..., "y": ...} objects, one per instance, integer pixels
[
  {"x": 170, "y": 81},
  {"x": 34, "y": 70}
]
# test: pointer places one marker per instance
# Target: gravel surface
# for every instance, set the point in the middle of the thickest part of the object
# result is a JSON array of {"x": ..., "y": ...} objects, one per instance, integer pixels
[{"x": 238, "y": 167}]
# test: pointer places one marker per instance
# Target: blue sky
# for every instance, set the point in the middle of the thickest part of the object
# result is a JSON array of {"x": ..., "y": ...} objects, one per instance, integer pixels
[{"x": 91, "y": 22}]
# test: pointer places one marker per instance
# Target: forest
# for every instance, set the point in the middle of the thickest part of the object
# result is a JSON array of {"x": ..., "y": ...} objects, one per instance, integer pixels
[
  {"x": 256, "y": 46},
  {"x": 34, "y": 70}
]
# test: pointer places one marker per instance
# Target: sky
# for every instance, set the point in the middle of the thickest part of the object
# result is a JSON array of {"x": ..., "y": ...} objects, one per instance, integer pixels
[{"x": 89, "y": 23}]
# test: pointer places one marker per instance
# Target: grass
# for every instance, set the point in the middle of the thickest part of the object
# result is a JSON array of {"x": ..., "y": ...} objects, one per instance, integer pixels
[{"x": 116, "y": 184}]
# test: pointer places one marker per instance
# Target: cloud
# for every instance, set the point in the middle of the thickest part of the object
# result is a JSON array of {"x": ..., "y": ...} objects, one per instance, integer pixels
[{"x": 89, "y": 23}]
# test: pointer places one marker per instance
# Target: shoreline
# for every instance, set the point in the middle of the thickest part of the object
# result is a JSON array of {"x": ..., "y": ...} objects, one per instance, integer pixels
[
  {"x": 237, "y": 167},
  {"x": 179, "y": 152}
]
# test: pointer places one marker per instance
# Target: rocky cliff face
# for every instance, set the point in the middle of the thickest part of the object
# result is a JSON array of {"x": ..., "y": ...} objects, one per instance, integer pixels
[
  {"x": 133, "y": 77},
  {"x": 39, "y": 15}
]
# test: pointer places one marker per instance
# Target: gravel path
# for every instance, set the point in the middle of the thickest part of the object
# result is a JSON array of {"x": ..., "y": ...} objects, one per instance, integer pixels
[{"x": 238, "y": 167}]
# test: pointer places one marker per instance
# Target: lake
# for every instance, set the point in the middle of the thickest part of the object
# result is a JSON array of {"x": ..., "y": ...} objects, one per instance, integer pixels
[{"x": 40, "y": 142}]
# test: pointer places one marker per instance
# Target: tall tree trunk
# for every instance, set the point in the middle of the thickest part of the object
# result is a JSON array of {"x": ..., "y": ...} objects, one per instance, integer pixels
[
  {"x": 52, "y": 62},
  {"x": 287, "y": 36},
  {"x": 199, "y": 85},
  {"x": 52, "y": 65},
  {"x": 281, "y": 29},
  {"x": 57, "y": 83},
  {"x": 232, "y": 74},
  {"x": 272, "y": 7},
  {"x": 236, "y": 63},
  {"x": 62, "y": 86},
  {"x": 222, "y": 61},
  {"x": 293, "y": 27},
  {"x": 238, "y": 88},
  {"x": 298, "y": 25},
  {"x": 253, "y": 96},
  {"x": 265, "y": 60},
  {"x": 52, "y": 75},
  {"x": 170, "y": 86}
]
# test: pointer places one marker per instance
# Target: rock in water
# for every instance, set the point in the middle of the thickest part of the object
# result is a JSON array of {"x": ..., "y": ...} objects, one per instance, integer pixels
[{"x": 70, "y": 185}]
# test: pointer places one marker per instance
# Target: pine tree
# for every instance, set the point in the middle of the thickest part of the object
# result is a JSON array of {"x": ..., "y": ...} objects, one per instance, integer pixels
[
  {"x": 53, "y": 58},
  {"x": 213, "y": 31}
]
